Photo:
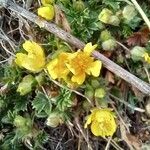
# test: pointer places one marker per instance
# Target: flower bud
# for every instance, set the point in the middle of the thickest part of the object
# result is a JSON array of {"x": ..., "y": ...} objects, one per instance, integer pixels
[
  {"x": 114, "y": 20},
  {"x": 89, "y": 94},
  {"x": 105, "y": 15},
  {"x": 25, "y": 86},
  {"x": 100, "y": 93},
  {"x": 40, "y": 78},
  {"x": 105, "y": 35},
  {"x": 19, "y": 121},
  {"x": 137, "y": 53},
  {"x": 54, "y": 119},
  {"x": 109, "y": 45},
  {"x": 86, "y": 105},
  {"x": 79, "y": 5},
  {"x": 129, "y": 12},
  {"x": 95, "y": 83},
  {"x": 47, "y": 12}
]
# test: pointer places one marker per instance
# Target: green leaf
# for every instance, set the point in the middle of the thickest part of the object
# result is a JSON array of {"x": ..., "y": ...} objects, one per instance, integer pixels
[
  {"x": 40, "y": 139},
  {"x": 42, "y": 104},
  {"x": 9, "y": 74},
  {"x": 112, "y": 3},
  {"x": 21, "y": 103},
  {"x": 64, "y": 100}
]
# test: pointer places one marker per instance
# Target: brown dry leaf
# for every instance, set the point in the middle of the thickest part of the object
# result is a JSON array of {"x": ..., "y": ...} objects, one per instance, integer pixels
[
  {"x": 132, "y": 141},
  {"x": 138, "y": 94},
  {"x": 4, "y": 89},
  {"x": 110, "y": 77},
  {"x": 61, "y": 19},
  {"x": 51, "y": 91},
  {"x": 139, "y": 38}
]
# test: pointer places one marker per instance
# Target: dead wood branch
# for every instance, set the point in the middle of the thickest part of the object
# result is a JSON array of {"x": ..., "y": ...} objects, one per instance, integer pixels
[{"x": 51, "y": 27}]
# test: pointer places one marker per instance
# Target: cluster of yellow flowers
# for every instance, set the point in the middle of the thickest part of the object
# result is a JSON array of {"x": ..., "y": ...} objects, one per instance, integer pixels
[
  {"x": 47, "y": 10},
  {"x": 74, "y": 66}
]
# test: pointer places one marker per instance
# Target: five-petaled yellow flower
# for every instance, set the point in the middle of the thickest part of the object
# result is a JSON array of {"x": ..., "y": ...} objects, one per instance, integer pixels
[
  {"x": 34, "y": 60},
  {"x": 146, "y": 57},
  {"x": 57, "y": 67},
  {"x": 102, "y": 122},
  {"x": 81, "y": 63},
  {"x": 47, "y": 12}
]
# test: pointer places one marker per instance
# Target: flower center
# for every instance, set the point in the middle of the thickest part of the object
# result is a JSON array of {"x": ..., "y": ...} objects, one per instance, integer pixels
[{"x": 81, "y": 62}]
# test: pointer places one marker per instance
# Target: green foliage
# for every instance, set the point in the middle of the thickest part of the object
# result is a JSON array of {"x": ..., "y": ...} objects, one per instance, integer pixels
[
  {"x": 83, "y": 24},
  {"x": 9, "y": 73},
  {"x": 21, "y": 103},
  {"x": 112, "y": 3},
  {"x": 64, "y": 100},
  {"x": 42, "y": 104}
]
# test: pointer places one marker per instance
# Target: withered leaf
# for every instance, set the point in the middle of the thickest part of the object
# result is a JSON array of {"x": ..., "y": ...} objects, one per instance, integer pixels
[
  {"x": 139, "y": 38},
  {"x": 110, "y": 77},
  {"x": 61, "y": 19},
  {"x": 131, "y": 140}
]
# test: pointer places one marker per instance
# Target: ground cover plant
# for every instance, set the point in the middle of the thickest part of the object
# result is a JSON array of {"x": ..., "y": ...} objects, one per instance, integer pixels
[{"x": 86, "y": 91}]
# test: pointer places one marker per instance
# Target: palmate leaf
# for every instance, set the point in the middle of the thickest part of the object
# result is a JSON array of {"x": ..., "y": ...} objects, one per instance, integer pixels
[
  {"x": 21, "y": 103},
  {"x": 42, "y": 104},
  {"x": 7, "y": 143},
  {"x": 64, "y": 100}
]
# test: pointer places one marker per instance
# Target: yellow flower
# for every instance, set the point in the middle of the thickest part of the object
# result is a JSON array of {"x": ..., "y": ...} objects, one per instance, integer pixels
[
  {"x": 102, "y": 122},
  {"x": 47, "y": 12},
  {"x": 34, "y": 60},
  {"x": 146, "y": 57},
  {"x": 57, "y": 68},
  {"x": 81, "y": 63},
  {"x": 46, "y": 2}
]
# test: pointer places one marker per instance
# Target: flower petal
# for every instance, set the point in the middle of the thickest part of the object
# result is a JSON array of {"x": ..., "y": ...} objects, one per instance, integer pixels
[
  {"x": 71, "y": 68},
  {"x": 95, "y": 68},
  {"x": 89, "y": 48},
  {"x": 47, "y": 12},
  {"x": 28, "y": 46},
  {"x": 88, "y": 121},
  {"x": 146, "y": 57},
  {"x": 34, "y": 60},
  {"x": 95, "y": 128},
  {"x": 50, "y": 67},
  {"x": 80, "y": 78},
  {"x": 20, "y": 59}
]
